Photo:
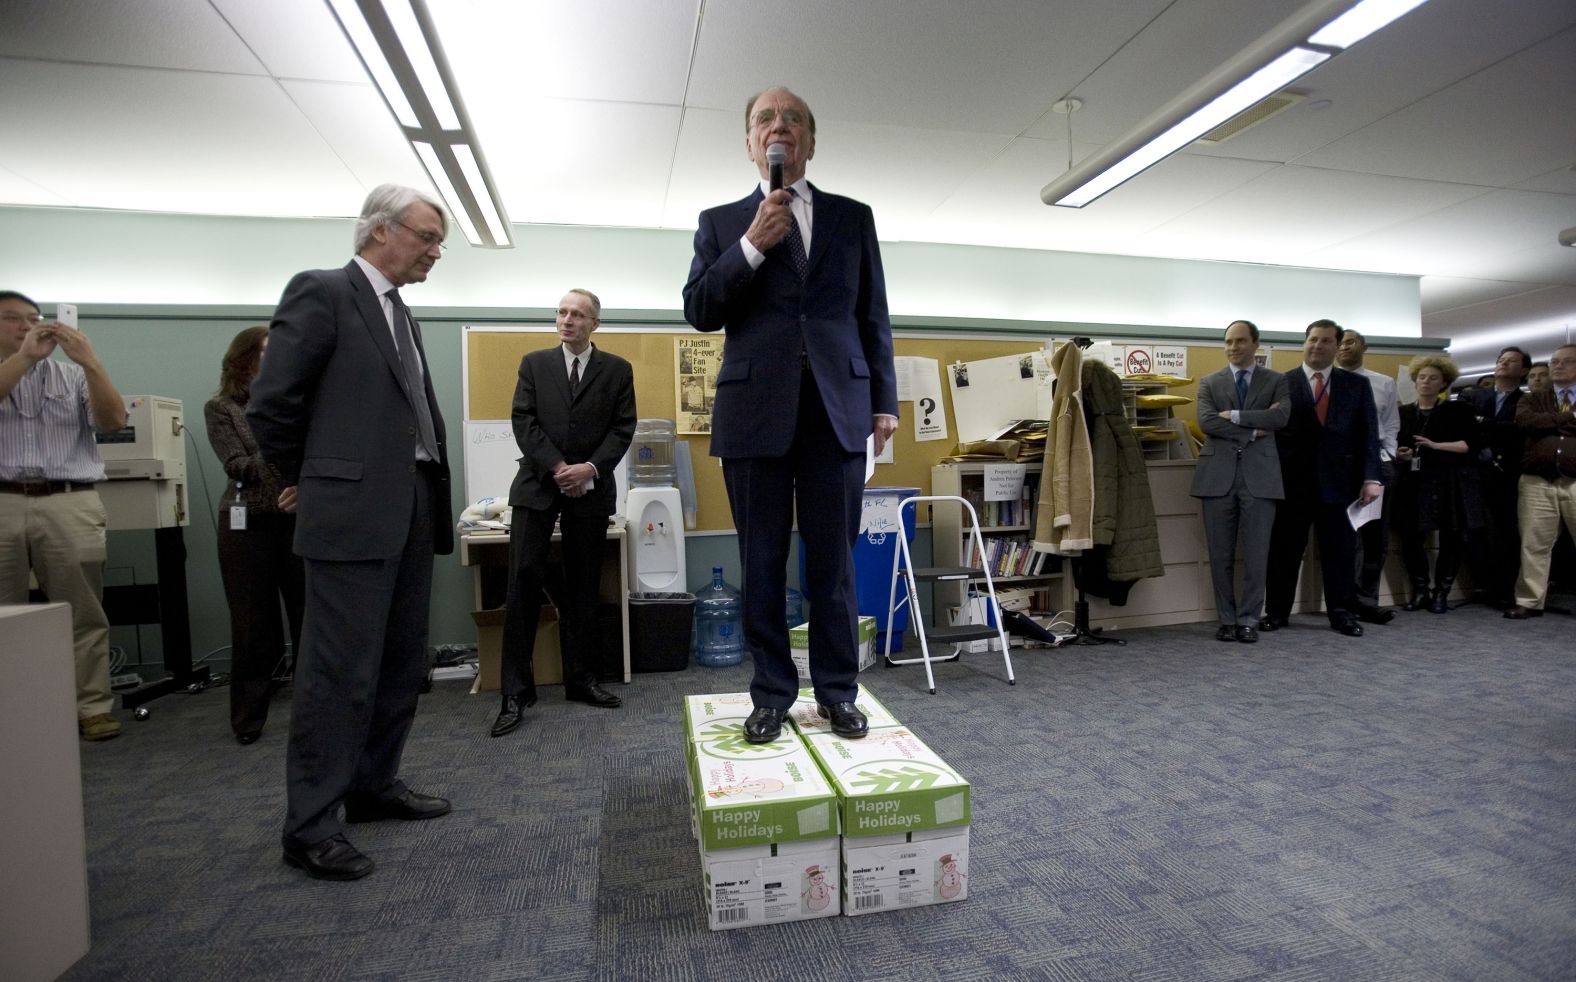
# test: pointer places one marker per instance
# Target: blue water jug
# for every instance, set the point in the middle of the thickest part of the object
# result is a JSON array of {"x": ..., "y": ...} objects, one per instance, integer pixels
[
  {"x": 793, "y": 607},
  {"x": 719, "y": 623}
]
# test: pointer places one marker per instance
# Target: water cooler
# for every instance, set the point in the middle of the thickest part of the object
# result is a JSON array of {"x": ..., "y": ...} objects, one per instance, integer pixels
[{"x": 656, "y": 517}]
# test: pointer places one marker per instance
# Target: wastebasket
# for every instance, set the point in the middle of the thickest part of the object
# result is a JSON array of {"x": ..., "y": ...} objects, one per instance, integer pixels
[
  {"x": 659, "y": 631},
  {"x": 873, "y": 552}
]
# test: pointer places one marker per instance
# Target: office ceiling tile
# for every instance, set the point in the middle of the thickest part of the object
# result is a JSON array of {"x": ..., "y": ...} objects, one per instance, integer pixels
[
  {"x": 359, "y": 129},
  {"x": 295, "y": 38},
  {"x": 18, "y": 190},
  {"x": 180, "y": 34}
]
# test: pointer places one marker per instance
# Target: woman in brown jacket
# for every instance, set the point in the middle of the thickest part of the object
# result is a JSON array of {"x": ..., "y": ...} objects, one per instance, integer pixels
[{"x": 256, "y": 558}]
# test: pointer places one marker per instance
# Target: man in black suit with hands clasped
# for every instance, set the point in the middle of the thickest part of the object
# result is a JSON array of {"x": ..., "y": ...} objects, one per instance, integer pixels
[{"x": 574, "y": 415}]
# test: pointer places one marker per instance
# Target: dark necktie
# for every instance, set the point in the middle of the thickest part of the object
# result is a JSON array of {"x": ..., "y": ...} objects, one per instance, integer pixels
[
  {"x": 795, "y": 241},
  {"x": 410, "y": 362},
  {"x": 1242, "y": 388},
  {"x": 574, "y": 376},
  {"x": 1321, "y": 405}
]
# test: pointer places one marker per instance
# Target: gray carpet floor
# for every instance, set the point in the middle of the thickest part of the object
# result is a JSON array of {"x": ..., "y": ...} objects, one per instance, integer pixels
[{"x": 1311, "y": 807}]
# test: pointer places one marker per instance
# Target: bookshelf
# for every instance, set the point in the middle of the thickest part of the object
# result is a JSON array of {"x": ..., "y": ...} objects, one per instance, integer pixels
[{"x": 1007, "y": 529}]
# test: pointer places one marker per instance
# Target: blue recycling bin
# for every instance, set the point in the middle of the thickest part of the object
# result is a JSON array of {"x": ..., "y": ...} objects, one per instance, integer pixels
[{"x": 873, "y": 554}]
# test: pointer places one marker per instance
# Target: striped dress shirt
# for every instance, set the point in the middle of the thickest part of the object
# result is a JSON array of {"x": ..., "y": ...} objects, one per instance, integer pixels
[{"x": 46, "y": 428}]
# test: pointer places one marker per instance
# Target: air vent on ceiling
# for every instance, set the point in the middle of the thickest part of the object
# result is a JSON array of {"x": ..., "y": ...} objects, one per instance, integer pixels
[{"x": 1253, "y": 116}]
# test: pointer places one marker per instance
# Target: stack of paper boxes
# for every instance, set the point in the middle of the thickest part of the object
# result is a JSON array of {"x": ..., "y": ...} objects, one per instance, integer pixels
[
  {"x": 799, "y": 646},
  {"x": 775, "y": 821}
]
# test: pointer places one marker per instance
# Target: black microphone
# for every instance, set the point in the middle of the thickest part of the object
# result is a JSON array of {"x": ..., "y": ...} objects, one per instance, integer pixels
[{"x": 776, "y": 156}]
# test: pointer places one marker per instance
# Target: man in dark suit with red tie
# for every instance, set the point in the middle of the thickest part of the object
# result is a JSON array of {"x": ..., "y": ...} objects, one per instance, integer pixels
[
  {"x": 1329, "y": 457},
  {"x": 793, "y": 275},
  {"x": 574, "y": 415},
  {"x": 344, "y": 409}
]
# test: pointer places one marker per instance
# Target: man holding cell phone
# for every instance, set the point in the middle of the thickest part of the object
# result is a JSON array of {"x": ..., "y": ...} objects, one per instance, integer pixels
[{"x": 51, "y": 519}]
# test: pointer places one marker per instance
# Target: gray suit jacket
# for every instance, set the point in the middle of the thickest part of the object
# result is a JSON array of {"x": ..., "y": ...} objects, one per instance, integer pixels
[
  {"x": 1230, "y": 446},
  {"x": 329, "y": 410}
]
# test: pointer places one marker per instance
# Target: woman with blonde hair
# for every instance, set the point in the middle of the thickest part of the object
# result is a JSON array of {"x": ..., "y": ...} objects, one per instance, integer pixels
[
  {"x": 256, "y": 556},
  {"x": 1437, "y": 490}
]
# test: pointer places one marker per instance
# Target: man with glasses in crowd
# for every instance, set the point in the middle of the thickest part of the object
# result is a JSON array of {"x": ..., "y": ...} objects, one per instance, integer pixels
[
  {"x": 344, "y": 409},
  {"x": 51, "y": 519}
]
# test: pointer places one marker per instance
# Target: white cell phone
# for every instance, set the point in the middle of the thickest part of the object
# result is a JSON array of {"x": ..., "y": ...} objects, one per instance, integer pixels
[{"x": 66, "y": 314}]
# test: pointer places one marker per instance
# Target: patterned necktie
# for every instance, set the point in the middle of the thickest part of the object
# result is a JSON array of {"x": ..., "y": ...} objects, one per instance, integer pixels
[
  {"x": 1242, "y": 388},
  {"x": 795, "y": 241},
  {"x": 574, "y": 375},
  {"x": 415, "y": 384},
  {"x": 1567, "y": 402},
  {"x": 1321, "y": 405}
]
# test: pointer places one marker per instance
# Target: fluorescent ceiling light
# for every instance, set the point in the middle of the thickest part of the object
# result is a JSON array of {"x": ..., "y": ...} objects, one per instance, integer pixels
[
  {"x": 1266, "y": 81},
  {"x": 1361, "y": 21},
  {"x": 398, "y": 43},
  {"x": 1311, "y": 36}
]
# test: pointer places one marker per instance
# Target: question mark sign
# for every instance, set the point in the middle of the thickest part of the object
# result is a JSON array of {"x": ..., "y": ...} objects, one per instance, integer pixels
[{"x": 927, "y": 405}]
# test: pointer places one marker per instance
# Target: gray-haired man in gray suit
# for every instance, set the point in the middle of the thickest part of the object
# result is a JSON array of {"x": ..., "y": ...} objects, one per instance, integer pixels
[{"x": 1238, "y": 479}]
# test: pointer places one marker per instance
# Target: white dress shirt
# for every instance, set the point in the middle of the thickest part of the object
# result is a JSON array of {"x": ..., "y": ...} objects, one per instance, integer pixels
[
  {"x": 803, "y": 208},
  {"x": 382, "y": 286}
]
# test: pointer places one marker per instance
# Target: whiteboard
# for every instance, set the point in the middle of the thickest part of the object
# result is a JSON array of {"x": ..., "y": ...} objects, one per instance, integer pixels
[{"x": 491, "y": 459}]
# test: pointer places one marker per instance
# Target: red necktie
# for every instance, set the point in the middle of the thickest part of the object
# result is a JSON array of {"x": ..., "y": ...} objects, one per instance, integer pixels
[{"x": 1321, "y": 405}]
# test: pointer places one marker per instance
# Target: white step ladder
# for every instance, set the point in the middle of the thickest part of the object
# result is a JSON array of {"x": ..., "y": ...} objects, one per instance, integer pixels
[{"x": 903, "y": 568}]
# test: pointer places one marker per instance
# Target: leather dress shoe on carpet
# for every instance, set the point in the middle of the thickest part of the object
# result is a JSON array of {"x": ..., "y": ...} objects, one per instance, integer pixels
[
  {"x": 1375, "y": 615},
  {"x": 847, "y": 720},
  {"x": 511, "y": 715},
  {"x": 1267, "y": 624},
  {"x": 1246, "y": 634},
  {"x": 764, "y": 724},
  {"x": 1520, "y": 613},
  {"x": 411, "y": 806},
  {"x": 1347, "y": 625},
  {"x": 594, "y": 695},
  {"x": 247, "y": 739},
  {"x": 1226, "y": 633},
  {"x": 332, "y": 859}
]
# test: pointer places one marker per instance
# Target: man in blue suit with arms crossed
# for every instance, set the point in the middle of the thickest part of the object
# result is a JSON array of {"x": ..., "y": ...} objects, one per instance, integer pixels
[{"x": 793, "y": 275}]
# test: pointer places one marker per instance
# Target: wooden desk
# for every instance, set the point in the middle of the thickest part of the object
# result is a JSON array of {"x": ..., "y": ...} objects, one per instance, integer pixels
[{"x": 488, "y": 555}]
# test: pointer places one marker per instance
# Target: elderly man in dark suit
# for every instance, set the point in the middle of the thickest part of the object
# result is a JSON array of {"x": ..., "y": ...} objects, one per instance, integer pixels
[
  {"x": 574, "y": 415},
  {"x": 1329, "y": 457},
  {"x": 344, "y": 409},
  {"x": 1496, "y": 554},
  {"x": 1238, "y": 478},
  {"x": 793, "y": 274}
]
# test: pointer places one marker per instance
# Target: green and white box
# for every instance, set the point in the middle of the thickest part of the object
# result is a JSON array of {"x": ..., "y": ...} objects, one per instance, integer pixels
[
  {"x": 805, "y": 716},
  {"x": 909, "y": 869},
  {"x": 889, "y": 781},
  {"x": 749, "y": 794},
  {"x": 792, "y": 881},
  {"x": 799, "y": 645},
  {"x": 715, "y": 716}
]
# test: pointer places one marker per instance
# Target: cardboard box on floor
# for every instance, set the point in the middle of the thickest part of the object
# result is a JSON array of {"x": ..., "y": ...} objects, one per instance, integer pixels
[
  {"x": 799, "y": 646},
  {"x": 908, "y": 869},
  {"x": 546, "y": 663}
]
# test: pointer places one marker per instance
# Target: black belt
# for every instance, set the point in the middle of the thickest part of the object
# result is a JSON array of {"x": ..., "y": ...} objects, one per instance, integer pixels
[{"x": 38, "y": 489}]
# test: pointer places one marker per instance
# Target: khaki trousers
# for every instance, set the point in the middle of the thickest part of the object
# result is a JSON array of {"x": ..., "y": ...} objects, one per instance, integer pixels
[
  {"x": 60, "y": 537},
  {"x": 1541, "y": 504}
]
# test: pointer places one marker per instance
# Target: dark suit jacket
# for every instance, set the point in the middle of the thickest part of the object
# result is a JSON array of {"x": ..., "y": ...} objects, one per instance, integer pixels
[
  {"x": 329, "y": 411},
  {"x": 1332, "y": 461},
  {"x": 551, "y": 428},
  {"x": 1504, "y": 439},
  {"x": 837, "y": 316},
  {"x": 1230, "y": 446}
]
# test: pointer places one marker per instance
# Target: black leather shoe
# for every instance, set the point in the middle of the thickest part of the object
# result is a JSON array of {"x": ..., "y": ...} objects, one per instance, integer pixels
[
  {"x": 1347, "y": 625},
  {"x": 764, "y": 724},
  {"x": 332, "y": 859},
  {"x": 594, "y": 695},
  {"x": 1267, "y": 624},
  {"x": 1375, "y": 615},
  {"x": 1226, "y": 633},
  {"x": 246, "y": 739},
  {"x": 1246, "y": 634},
  {"x": 1520, "y": 613},
  {"x": 511, "y": 715},
  {"x": 847, "y": 720},
  {"x": 411, "y": 806}
]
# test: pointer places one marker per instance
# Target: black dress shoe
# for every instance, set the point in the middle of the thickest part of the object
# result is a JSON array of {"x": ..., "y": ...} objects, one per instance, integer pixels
[
  {"x": 332, "y": 859},
  {"x": 764, "y": 725},
  {"x": 1267, "y": 624},
  {"x": 1246, "y": 634},
  {"x": 1375, "y": 615},
  {"x": 246, "y": 739},
  {"x": 1520, "y": 613},
  {"x": 847, "y": 720},
  {"x": 511, "y": 715},
  {"x": 594, "y": 695},
  {"x": 1226, "y": 633},
  {"x": 411, "y": 806},
  {"x": 1347, "y": 625}
]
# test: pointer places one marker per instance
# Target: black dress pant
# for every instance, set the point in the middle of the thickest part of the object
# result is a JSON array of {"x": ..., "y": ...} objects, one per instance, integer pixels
[
  {"x": 581, "y": 545},
  {"x": 261, "y": 572},
  {"x": 1337, "y": 555}
]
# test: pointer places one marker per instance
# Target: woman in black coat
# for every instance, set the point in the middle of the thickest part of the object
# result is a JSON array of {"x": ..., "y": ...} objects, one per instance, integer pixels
[
  {"x": 256, "y": 557},
  {"x": 1438, "y": 488}
]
